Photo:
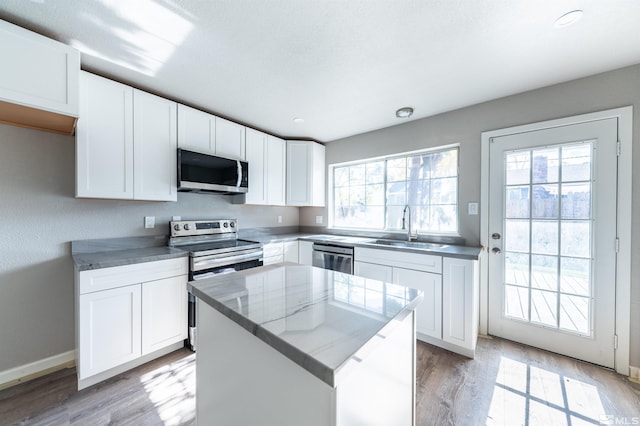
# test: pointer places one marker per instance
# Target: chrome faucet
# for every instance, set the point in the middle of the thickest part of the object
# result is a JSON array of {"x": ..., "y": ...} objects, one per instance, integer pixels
[{"x": 410, "y": 236}]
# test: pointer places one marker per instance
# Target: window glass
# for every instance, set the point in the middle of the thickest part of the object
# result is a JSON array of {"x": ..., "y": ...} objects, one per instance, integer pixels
[{"x": 373, "y": 194}]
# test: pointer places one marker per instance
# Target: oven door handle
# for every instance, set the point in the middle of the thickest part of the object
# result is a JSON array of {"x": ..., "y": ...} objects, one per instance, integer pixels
[{"x": 206, "y": 263}]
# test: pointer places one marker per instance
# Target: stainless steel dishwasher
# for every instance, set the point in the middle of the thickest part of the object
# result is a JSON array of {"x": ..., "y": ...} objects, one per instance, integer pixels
[{"x": 334, "y": 257}]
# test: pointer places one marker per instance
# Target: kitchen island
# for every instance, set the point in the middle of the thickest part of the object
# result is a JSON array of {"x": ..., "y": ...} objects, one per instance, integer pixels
[{"x": 291, "y": 344}]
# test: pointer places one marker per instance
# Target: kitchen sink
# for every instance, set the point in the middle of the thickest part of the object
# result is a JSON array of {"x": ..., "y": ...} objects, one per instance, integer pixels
[{"x": 412, "y": 244}]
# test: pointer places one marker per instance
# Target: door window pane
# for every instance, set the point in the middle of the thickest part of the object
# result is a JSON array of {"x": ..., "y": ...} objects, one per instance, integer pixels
[
  {"x": 544, "y": 272},
  {"x": 516, "y": 269},
  {"x": 576, "y": 162},
  {"x": 516, "y": 303},
  {"x": 575, "y": 238},
  {"x": 517, "y": 235},
  {"x": 575, "y": 276},
  {"x": 517, "y": 168},
  {"x": 545, "y": 165},
  {"x": 517, "y": 202},
  {"x": 545, "y": 201},
  {"x": 574, "y": 314},
  {"x": 576, "y": 200},
  {"x": 544, "y": 237},
  {"x": 544, "y": 307}
]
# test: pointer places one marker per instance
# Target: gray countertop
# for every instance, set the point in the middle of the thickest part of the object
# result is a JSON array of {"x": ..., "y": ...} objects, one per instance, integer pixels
[
  {"x": 107, "y": 259},
  {"x": 319, "y": 319},
  {"x": 95, "y": 254},
  {"x": 450, "y": 250}
]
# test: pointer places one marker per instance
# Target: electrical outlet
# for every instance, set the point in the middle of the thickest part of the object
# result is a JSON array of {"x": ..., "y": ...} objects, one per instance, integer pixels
[
  {"x": 149, "y": 222},
  {"x": 473, "y": 209},
  {"x": 279, "y": 219},
  {"x": 318, "y": 220}
]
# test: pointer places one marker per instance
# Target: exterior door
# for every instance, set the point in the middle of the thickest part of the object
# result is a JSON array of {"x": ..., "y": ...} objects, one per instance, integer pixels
[{"x": 552, "y": 239}]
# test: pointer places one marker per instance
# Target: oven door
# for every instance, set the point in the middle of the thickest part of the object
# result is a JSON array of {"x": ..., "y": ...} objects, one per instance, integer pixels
[{"x": 210, "y": 266}]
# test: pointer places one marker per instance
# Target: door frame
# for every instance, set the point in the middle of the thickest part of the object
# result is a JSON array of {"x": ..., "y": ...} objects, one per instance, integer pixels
[{"x": 624, "y": 116}]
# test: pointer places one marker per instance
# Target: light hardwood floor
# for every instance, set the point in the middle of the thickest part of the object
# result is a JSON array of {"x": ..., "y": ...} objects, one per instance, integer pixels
[{"x": 507, "y": 384}]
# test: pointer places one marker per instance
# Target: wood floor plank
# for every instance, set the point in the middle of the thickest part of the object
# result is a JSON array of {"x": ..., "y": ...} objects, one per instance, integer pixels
[{"x": 507, "y": 384}]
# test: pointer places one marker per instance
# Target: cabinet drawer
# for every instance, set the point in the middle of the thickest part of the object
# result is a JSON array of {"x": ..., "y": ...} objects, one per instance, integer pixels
[
  {"x": 272, "y": 250},
  {"x": 401, "y": 259},
  {"x": 119, "y": 276}
]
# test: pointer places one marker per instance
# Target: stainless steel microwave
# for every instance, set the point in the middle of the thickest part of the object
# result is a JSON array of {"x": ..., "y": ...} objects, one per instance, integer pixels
[{"x": 199, "y": 172}]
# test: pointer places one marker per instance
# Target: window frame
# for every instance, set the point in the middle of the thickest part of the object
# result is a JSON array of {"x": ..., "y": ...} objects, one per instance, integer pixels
[{"x": 385, "y": 158}]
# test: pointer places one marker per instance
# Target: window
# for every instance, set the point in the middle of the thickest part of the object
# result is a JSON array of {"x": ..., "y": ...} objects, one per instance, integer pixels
[{"x": 372, "y": 194}]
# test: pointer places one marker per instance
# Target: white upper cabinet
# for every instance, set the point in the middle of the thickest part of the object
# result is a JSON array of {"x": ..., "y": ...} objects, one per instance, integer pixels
[
  {"x": 38, "y": 81},
  {"x": 305, "y": 173},
  {"x": 154, "y": 148},
  {"x": 266, "y": 157},
  {"x": 256, "y": 157},
  {"x": 196, "y": 130},
  {"x": 230, "y": 139},
  {"x": 125, "y": 144},
  {"x": 275, "y": 171},
  {"x": 104, "y": 143}
]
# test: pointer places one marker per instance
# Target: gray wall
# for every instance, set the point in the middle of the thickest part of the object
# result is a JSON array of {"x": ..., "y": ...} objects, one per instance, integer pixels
[
  {"x": 39, "y": 216},
  {"x": 604, "y": 91}
]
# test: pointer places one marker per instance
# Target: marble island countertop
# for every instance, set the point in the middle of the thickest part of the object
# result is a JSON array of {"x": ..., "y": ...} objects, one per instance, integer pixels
[{"x": 322, "y": 320}]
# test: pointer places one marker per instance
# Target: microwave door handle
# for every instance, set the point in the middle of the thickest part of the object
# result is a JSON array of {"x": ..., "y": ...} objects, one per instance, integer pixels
[{"x": 239, "y": 174}]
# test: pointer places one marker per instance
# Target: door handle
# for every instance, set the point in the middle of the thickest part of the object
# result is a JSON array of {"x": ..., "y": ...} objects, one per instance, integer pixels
[{"x": 496, "y": 250}]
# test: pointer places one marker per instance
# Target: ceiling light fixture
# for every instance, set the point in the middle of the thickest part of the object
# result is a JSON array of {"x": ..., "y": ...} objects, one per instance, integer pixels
[
  {"x": 568, "y": 18},
  {"x": 298, "y": 120},
  {"x": 405, "y": 112}
]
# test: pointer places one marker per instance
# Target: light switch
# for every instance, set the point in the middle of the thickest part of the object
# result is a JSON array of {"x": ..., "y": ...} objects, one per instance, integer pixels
[
  {"x": 149, "y": 221},
  {"x": 473, "y": 209}
]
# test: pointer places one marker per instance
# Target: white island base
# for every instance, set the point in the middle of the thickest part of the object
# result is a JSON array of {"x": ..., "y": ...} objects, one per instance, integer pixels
[{"x": 241, "y": 380}]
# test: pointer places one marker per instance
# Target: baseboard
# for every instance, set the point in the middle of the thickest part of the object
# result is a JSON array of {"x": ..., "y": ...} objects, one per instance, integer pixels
[
  {"x": 24, "y": 373},
  {"x": 634, "y": 374}
]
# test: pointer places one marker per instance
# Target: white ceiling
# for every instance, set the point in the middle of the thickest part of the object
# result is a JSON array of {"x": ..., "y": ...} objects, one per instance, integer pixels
[{"x": 344, "y": 66}]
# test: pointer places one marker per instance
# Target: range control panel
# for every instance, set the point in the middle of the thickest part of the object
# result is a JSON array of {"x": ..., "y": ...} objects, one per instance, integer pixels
[{"x": 186, "y": 228}]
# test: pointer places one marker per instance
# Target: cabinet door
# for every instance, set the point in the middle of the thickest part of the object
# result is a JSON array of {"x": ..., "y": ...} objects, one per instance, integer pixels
[
  {"x": 305, "y": 252},
  {"x": 275, "y": 171},
  {"x": 155, "y": 143},
  {"x": 164, "y": 313},
  {"x": 460, "y": 302},
  {"x": 38, "y": 72},
  {"x": 230, "y": 139},
  {"x": 104, "y": 139},
  {"x": 429, "y": 312},
  {"x": 305, "y": 173},
  {"x": 109, "y": 327},
  {"x": 373, "y": 271},
  {"x": 256, "y": 157},
  {"x": 196, "y": 130},
  {"x": 291, "y": 251},
  {"x": 298, "y": 179}
]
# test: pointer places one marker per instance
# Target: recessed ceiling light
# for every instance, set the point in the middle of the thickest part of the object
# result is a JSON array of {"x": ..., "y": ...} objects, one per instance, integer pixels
[
  {"x": 298, "y": 120},
  {"x": 568, "y": 19},
  {"x": 405, "y": 112}
]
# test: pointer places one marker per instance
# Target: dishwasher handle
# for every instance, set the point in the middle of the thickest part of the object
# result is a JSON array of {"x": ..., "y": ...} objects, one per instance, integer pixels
[{"x": 333, "y": 249}]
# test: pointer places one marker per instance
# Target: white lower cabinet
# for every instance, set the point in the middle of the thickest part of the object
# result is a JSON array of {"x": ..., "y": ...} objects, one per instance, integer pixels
[
  {"x": 164, "y": 311},
  {"x": 127, "y": 315},
  {"x": 110, "y": 329},
  {"x": 305, "y": 253},
  {"x": 448, "y": 315},
  {"x": 460, "y": 302},
  {"x": 280, "y": 252},
  {"x": 429, "y": 313}
]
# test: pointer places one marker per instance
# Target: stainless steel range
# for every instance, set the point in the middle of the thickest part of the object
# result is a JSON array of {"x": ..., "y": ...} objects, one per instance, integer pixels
[{"x": 214, "y": 249}]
